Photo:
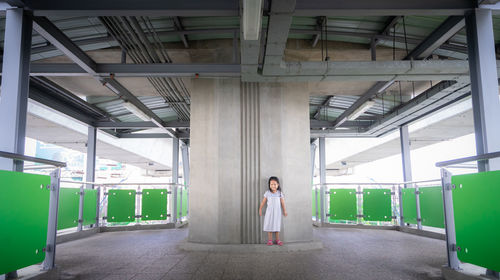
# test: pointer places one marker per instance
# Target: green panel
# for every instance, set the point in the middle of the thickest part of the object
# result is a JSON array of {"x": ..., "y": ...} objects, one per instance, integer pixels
[
  {"x": 343, "y": 204},
  {"x": 431, "y": 207},
  {"x": 121, "y": 206},
  {"x": 67, "y": 214},
  {"x": 477, "y": 218},
  {"x": 183, "y": 211},
  {"x": 89, "y": 207},
  {"x": 409, "y": 205},
  {"x": 24, "y": 214},
  {"x": 184, "y": 202},
  {"x": 154, "y": 204},
  {"x": 377, "y": 205}
]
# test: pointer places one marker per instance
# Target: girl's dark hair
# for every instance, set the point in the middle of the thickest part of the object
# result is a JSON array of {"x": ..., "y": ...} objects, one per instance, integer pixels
[{"x": 274, "y": 178}]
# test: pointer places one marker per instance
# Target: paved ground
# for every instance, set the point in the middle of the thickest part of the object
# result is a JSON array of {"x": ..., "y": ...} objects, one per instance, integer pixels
[{"x": 347, "y": 254}]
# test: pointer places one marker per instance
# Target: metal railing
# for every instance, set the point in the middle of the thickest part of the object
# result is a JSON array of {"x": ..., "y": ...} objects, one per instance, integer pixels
[
  {"x": 396, "y": 198},
  {"x": 55, "y": 176},
  {"x": 446, "y": 176}
]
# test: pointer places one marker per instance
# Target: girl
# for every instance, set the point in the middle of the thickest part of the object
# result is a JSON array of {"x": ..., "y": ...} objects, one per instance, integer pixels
[{"x": 275, "y": 201}]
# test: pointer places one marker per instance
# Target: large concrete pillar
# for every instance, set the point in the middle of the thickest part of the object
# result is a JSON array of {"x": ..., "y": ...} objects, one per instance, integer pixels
[{"x": 241, "y": 134}]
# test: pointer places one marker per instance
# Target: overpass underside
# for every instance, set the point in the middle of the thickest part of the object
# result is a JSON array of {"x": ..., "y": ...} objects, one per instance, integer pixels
[{"x": 245, "y": 88}]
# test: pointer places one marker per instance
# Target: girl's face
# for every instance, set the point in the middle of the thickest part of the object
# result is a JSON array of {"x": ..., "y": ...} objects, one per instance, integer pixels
[{"x": 274, "y": 185}]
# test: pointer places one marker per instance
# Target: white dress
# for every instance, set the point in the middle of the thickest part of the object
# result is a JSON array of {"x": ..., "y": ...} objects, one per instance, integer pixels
[{"x": 272, "y": 219}]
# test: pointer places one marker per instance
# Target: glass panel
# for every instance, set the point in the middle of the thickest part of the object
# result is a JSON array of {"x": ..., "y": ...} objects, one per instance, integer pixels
[
  {"x": 477, "y": 218},
  {"x": 431, "y": 206},
  {"x": 343, "y": 204},
  {"x": 121, "y": 206},
  {"x": 154, "y": 204},
  {"x": 67, "y": 214},
  {"x": 409, "y": 205},
  {"x": 377, "y": 205},
  {"x": 25, "y": 212},
  {"x": 89, "y": 207}
]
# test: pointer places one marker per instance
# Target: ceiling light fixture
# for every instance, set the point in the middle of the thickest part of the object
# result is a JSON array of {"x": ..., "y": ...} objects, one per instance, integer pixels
[
  {"x": 136, "y": 111},
  {"x": 361, "y": 109},
  {"x": 252, "y": 19}
]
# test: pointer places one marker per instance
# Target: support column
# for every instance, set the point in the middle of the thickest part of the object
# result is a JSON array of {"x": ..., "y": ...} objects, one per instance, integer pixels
[
  {"x": 484, "y": 84},
  {"x": 322, "y": 178},
  {"x": 241, "y": 134},
  {"x": 90, "y": 172},
  {"x": 484, "y": 88},
  {"x": 15, "y": 85},
  {"x": 404, "y": 137},
  {"x": 175, "y": 176}
]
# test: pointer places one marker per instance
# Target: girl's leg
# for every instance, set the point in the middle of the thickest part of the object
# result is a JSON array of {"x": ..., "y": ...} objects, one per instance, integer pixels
[
  {"x": 269, "y": 236},
  {"x": 277, "y": 235}
]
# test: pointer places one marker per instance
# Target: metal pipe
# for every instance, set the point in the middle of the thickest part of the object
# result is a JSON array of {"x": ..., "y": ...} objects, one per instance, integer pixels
[{"x": 31, "y": 159}]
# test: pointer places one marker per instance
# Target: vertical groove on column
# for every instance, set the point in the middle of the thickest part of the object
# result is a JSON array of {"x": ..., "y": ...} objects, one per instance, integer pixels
[{"x": 250, "y": 163}]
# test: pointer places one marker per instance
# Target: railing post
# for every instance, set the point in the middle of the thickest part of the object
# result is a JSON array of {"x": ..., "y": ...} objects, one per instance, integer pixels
[
  {"x": 98, "y": 212},
  {"x": 417, "y": 202},
  {"x": 322, "y": 177},
  {"x": 451, "y": 242},
  {"x": 317, "y": 203},
  {"x": 180, "y": 204},
  {"x": 401, "y": 214},
  {"x": 50, "y": 249},
  {"x": 80, "y": 209},
  {"x": 358, "y": 201}
]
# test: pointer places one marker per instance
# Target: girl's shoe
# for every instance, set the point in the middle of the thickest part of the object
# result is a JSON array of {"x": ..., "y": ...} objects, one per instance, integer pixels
[
  {"x": 279, "y": 242},
  {"x": 269, "y": 243}
]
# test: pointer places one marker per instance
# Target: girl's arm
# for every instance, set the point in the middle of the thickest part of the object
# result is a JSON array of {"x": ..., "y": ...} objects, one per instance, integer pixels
[
  {"x": 283, "y": 206},
  {"x": 262, "y": 205}
]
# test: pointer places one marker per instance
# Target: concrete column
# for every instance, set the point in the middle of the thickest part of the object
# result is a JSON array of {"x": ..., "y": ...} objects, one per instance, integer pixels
[
  {"x": 322, "y": 178},
  {"x": 241, "y": 134},
  {"x": 175, "y": 176},
  {"x": 15, "y": 85},
  {"x": 484, "y": 84}
]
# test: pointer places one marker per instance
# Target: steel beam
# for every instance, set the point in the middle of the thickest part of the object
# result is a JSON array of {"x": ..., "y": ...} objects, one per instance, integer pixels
[
  {"x": 181, "y": 135},
  {"x": 15, "y": 83},
  {"x": 178, "y": 26},
  {"x": 484, "y": 85},
  {"x": 280, "y": 20},
  {"x": 327, "y": 102},
  {"x": 52, "y": 34},
  {"x": 56, "y": 37},
  {"x": 131, "y": 125},
  {"x": 441, "y": 34}
]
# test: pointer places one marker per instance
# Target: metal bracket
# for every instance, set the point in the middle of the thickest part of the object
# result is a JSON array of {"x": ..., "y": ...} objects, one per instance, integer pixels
[
  {"x": 394, "y": 217},
  {"x": 359, "y": 192},
  {"x": 169, "y": 192},
  {"x": 454, "y": 248},
  {"x": 80, "y": 221},
  {"x": 419, "y": 219},
  {"x": 105, "y": 193},
  {"x": 327, "y": 214},
  {"x": 393, "y": 193},
  {"x": 138, "y": 216},
  {"x": 105, "y": 218},
  {"x": 360, "y": 216},
  {"x": 82, "y": 193},
  {"x": 138, "y": 193},
  {"x": 417, "y": 192},
  {"x": 449, "y": 186}
]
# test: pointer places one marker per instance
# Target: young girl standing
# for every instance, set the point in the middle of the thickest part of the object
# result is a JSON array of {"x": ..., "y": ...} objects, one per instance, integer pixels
[{"x": 275, "y": 201}]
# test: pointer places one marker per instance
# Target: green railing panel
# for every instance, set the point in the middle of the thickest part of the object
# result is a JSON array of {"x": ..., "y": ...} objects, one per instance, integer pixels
[
  {"x": 154, "y": 204},
  {"x": 409, "y": 205},
  {"x": 89, "y": 207},
  {"x": 67, "y": 214},
  {"x": 431, "y": 206},
  {"x": 343, "y": 204},
  {"x": 314, "y": 206},
  {"x": 377, "y": 205},
  {"x": 121, "y": 206},
  {"x": 184, "y": 202},
  {"x": 477, "y": 218},
  {"x": 23, "y": 222}
]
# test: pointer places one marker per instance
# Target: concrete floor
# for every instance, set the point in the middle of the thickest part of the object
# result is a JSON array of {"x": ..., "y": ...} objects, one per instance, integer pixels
[{"x": 347, "y": 254}]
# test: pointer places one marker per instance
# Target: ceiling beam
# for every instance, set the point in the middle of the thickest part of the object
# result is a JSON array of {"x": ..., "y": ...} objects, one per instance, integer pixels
[
  {"x": 56, "y": 37},
  {"x": 132, "y": 125},
  {"x": 178, "y": 26},
  {"x": 326, "y": 103},
  {"x": 441, "y": 34},
  {"x": 181, "y": 135}
]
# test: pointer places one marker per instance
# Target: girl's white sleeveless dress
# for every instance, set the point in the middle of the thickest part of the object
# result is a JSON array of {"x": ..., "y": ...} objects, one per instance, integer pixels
[{"x": 272, "y": 219}]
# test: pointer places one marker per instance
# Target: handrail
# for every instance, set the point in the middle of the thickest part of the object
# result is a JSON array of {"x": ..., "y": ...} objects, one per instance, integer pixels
[
  {"x": 120, "y": 184},
  {"x": 370, "y": 184},
  {"x": 467, "y": 159},
  {"x": 32, "y": 159}
]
